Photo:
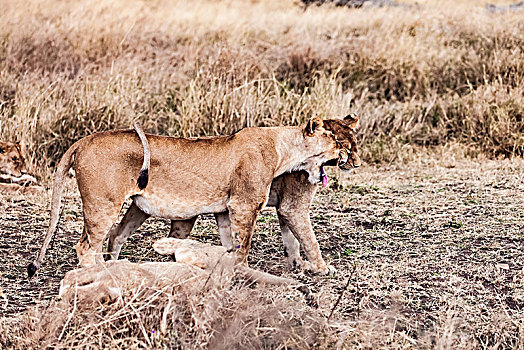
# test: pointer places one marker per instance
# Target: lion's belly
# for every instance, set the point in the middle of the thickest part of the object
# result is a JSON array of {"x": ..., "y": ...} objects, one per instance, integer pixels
[{"x": 179, "y": 209}]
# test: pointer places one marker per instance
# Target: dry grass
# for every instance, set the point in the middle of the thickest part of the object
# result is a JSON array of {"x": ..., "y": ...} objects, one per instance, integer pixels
[
  {"x": 231, "y": 317},
  {"x": 437, "y": 243},
  {"x": 445, "y": 71}
]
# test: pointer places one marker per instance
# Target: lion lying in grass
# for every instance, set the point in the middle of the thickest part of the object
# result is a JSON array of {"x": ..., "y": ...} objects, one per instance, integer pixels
[
  {"x": 188, "y": 177},
  {"x": 196, "y": 264},
  {"x": 13, "y": 173}
]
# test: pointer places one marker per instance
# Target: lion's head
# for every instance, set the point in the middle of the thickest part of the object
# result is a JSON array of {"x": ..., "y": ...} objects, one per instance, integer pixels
[
  {"x": 12, "y": 161},
  {"x": 344, "y": 131}
]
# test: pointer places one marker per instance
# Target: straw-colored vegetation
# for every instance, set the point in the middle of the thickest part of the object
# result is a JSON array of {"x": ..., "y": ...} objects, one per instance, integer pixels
[
  {"x": 429, "y": 75},
  {"x": 437, "y": 244}
]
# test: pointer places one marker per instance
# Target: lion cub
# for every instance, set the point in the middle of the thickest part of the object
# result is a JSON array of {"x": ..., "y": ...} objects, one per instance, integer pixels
[{"x": 187, "y": 177}]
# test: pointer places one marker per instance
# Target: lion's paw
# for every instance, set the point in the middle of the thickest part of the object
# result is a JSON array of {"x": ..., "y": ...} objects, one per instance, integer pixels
[
  {"x": 326, "y": 270},
  {"x": 331, "y": 270},
  {"x": 297, "y": 263}
]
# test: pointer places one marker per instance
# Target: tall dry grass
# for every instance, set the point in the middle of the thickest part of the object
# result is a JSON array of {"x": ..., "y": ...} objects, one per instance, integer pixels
[
  {"x": 178, "y": 317},
  {"x": 442, "y": 72},
  {"x": 240, "y": 316}
]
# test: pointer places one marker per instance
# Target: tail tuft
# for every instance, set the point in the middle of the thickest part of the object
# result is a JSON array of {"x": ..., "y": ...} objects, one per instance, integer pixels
[
  {"x": 143, "y": 178},
  {"x": 31, "y": 270}
]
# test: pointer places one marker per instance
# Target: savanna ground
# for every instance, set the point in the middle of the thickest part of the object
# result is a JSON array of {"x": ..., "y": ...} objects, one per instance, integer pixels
[
  {"x": 435, "y": 246},
  {"x": 428, "y": 232}
]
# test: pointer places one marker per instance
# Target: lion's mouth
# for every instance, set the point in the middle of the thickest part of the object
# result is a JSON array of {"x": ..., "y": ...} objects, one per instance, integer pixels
[
  {"x": 342, "y": 162},
  {"x": 343, "y": 158}
]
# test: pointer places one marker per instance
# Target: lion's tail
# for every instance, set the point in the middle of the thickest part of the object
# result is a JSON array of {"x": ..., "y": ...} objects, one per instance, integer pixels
[
  {"x": 143, "y": 177},
  {"x": 63, "y": 167}
]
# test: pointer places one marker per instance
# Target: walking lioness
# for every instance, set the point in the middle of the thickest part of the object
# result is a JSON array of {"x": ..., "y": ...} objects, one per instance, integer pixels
[
  {"x": 291, "y": 194},
  {"x": 187, "y": 177}
]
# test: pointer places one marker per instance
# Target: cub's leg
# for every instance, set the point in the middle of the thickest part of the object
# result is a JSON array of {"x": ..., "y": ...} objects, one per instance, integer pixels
[
  {"x": 182, "y": 228},
  {"x": 98, "y": 220},
  {"x": 224, "y": 228},
  {"x": 296, "y": 193},
  {"x": 119, "y": 233},
  {"x": 291, "y": 247},
  {"x": 298, "y": 225}
]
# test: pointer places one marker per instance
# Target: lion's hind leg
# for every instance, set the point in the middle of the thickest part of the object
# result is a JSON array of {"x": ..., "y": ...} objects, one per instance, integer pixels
[
  {"x": 98, "y": 220},
  {"x": 119, "y": 233},
  {"x": 182, "y": 228}
]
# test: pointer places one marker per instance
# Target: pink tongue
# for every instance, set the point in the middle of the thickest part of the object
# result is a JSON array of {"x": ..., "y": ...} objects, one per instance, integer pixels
[{"x": 324, "y": 176}]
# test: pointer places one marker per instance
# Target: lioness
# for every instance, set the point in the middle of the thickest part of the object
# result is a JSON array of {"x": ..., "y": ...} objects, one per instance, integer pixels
[
  {"x": 291, "y": 194},
  {"x": 187, "y": 177},
  {"x": 13, "y": 173}
]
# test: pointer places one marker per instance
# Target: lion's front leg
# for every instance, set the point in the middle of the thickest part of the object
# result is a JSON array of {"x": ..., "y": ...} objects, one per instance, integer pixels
[
  {"x": 248, "y": 194},
  {"x": 300, "y": 225},
  {"x": 243, "y": 216}
]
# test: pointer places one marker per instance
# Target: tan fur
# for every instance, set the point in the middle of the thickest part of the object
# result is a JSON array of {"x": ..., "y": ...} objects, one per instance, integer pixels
[
  {"x": 187, "y": 177},
  {"x": 13, "y": 177},
  {"x": 197, "y": 265},
  {"x": 291, "y": 193},
  {"x": 11, "y": 159}
]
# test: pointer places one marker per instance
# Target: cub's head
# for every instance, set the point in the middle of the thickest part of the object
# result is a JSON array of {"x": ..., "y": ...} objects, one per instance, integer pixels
[
  {"x": 323, "y": 147},
  {"x": 344, "y": 131},
  {"x": 12, "y": 162}
]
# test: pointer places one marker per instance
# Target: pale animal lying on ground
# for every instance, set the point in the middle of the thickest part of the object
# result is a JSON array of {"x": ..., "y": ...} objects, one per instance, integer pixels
[
  {"x": 291, "y": 194},
  {"x": 13, "y": 173},
  {"x": 357, "y": 3},
  {"x": 197, "y": 264},
  {"x": 188, "y": 177},
  {"x": 517, "y": 6}
]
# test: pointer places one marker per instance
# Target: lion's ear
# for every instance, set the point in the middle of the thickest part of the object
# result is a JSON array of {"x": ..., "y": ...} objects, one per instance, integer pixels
[
  {"x": 21, "y": 146},
  {"x": 352, "y": 120},
  {"x": 313, "y": 125}
]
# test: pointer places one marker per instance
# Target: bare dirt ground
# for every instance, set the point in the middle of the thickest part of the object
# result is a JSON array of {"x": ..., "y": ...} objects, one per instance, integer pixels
[{"x": 436, "y": 249}]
